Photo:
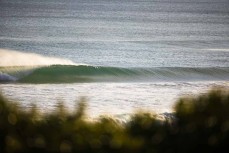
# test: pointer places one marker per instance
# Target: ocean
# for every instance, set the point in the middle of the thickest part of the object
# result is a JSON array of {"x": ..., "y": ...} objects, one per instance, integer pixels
[{"x": 121, "y": 55}]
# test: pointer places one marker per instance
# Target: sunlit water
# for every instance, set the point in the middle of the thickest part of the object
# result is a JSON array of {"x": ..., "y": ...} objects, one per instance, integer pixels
[{"x": 115, "y": 99}]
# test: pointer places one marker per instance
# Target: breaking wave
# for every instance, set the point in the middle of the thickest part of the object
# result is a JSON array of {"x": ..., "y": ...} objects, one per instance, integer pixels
[
  {"x": 84, "y": 73},
  {"x": 33, "y": 68}
]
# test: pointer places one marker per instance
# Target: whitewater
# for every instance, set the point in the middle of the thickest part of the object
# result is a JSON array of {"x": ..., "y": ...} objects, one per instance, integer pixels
[{"x": 121, "y": 56}]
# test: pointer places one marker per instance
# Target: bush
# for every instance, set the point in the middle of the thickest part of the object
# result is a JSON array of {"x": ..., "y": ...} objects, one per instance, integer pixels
[{"x": 199, "y": 124}]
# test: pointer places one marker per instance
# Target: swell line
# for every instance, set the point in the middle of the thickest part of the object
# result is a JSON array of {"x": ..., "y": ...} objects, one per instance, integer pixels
[{"x": 84, "y": 73}]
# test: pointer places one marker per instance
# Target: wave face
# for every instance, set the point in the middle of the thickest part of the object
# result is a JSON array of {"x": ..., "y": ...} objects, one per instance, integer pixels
[{"x": 83, "y": 73}]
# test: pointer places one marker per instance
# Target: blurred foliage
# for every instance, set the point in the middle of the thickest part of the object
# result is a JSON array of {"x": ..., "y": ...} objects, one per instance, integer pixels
[{"x": 199, "y": 124}]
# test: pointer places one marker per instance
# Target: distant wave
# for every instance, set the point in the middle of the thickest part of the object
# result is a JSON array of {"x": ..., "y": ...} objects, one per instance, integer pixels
[{"x": 84, "y": 73}]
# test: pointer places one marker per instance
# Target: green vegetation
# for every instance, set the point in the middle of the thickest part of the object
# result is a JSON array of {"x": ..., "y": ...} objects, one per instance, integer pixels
[{"x": 199, "y": 124}]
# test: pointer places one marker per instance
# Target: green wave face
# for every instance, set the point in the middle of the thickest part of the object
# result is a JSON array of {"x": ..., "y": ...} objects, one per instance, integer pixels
[
  {"x": 82, "y": 73},
  {"x": 69, "y": 74}
]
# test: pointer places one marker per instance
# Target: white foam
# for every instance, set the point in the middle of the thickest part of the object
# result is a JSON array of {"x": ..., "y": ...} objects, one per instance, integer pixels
[
  {"x": 217, "y": 49},
  {"x": 16, "y": 58}
]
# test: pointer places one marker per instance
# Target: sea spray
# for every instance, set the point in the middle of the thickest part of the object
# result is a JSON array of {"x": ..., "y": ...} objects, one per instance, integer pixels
[
  {"x": 15, "y": 65},
  {"x": 9, "y": 58}
]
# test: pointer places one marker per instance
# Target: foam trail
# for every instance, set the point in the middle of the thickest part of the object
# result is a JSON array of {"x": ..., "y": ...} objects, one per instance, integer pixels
[
  {"x": 217, "y": 49},
  {"x": 9, "y": 58}
]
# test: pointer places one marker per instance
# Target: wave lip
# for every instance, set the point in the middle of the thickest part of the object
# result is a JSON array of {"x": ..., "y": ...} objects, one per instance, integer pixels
[{"x": 84, "y": 73}]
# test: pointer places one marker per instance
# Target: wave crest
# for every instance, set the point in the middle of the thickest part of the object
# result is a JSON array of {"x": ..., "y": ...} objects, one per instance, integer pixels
[{"x": 11, "y": 58}]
